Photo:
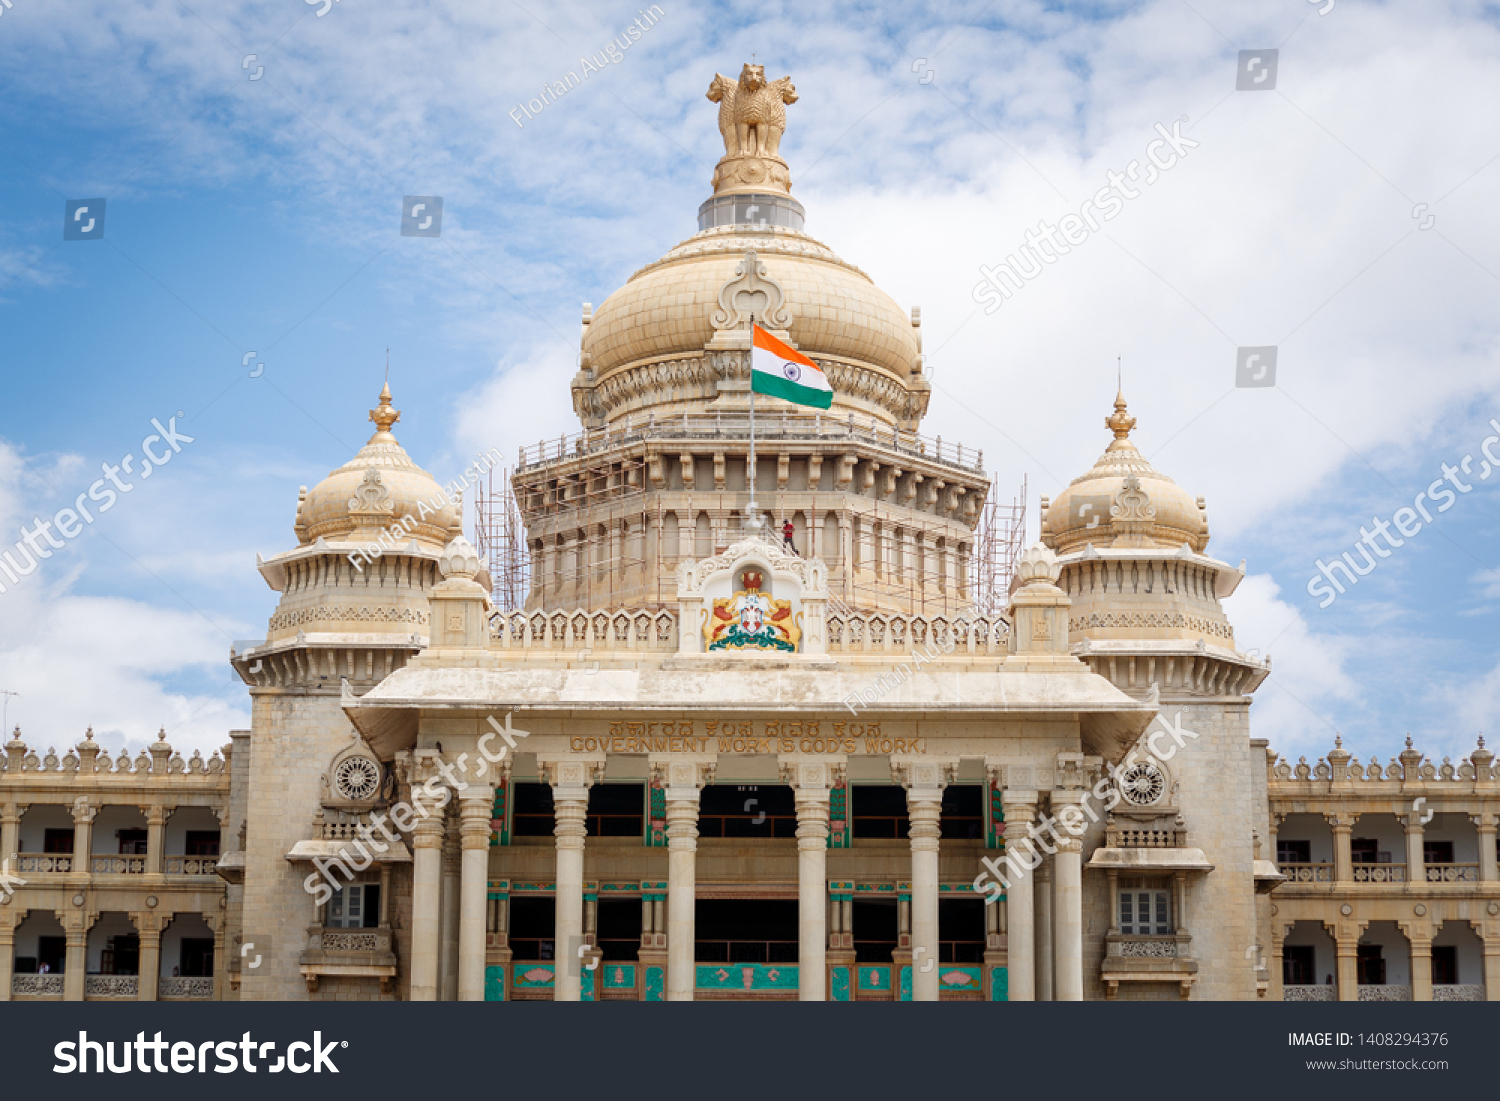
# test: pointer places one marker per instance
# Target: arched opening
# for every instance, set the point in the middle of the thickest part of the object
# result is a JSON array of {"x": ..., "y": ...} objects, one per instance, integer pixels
[
  {"x": 1457, "y": 964},
  {"x": 41, "y": 956},
  {"x": 187, "y": 959},
  {"x": 1309, "y": 964},
  {"x": 113, "y": 958},
  {"x": 1383, "y": 963}
]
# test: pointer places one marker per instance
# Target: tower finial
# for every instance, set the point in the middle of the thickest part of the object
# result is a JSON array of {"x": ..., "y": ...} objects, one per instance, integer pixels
[
  {"x": 384, "y": 416},
  {"x": 1120, "y": 422}
]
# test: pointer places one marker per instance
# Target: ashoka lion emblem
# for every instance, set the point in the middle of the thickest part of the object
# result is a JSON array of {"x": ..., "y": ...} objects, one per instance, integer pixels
[{"x": 750, "y": 620}]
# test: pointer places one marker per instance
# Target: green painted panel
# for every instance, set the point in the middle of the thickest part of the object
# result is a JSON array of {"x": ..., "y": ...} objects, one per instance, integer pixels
[
  {"x": 999, "y": 984},
  {"x": 747, "y": 976},
  {"x": 535, "y": 976},
  {"x": 875, "y": 978},
  {"x": 962, "y": 978},
  {"x": 906, "y": 984},
  {"x": 840, "y": 976},
  {"x": 494, "y": 984},
  {"x": 656, "y": 981},
  {"x": 619, "y": 976}
]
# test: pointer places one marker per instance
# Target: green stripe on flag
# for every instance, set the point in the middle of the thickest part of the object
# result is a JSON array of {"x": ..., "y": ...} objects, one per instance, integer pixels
[{"x": 763, "y": 382}]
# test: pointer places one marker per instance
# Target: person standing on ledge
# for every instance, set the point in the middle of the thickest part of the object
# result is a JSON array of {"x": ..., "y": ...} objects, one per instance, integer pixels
[{"x": 786, "y": 537}]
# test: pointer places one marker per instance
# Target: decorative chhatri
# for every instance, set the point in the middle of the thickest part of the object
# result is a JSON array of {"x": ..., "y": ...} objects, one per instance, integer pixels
[{"x": 750, "y": 620}]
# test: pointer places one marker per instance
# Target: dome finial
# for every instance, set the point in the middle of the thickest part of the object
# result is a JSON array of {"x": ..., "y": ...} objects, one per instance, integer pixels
[
  {"x": 384, "y": 416},
  {"x": 1120, "y": 422}
]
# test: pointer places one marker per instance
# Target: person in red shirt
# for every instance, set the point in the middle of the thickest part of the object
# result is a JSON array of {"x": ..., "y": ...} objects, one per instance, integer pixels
[{"x": 786, "y": 536}]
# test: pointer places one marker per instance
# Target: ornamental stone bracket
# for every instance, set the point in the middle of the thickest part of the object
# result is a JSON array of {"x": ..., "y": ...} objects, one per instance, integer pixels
[
  {"x": 802, "y": 581},
  {"x": 751, "y": 293}
]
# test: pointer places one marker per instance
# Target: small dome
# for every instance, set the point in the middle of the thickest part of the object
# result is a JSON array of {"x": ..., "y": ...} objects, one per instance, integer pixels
[
  {"x": 379, "y": 487},
  {"x": 1124, "y": 502},
  {"x": 667, "y": 308}
]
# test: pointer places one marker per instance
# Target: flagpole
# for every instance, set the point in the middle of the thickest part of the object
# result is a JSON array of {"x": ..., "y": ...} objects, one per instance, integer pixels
[{"x": 750, "y": 513}]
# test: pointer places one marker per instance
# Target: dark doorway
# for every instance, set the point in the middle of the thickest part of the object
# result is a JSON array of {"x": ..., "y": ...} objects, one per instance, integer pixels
[
  {"x": 1371, "y": 965},
  {"x": 1444, "y": 965},
  {"x": 121, "y": 955},
  {"x": 963, "y": 812},
  {"x": 879, "y": 811},
  {"x": 533, "y": 928},
  {"x": 961, "y": 930},
  {"x": 876, "y": 930},
  {"x": 619, "y": 929},
  {"x": 533, "y": 814},
  {"x": 617, "y": 810},
  {"x": 196, "y": 960},
  {"x": 748, "y": 930},
  {"x": 747, "y": 810},
  {"x": 1297, "y": 967}
]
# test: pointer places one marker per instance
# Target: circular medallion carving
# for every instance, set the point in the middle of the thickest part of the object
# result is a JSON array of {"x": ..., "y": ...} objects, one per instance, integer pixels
[
  {"x": 1346, "y": 909},
  {"x": 1142, "y": 784},
  {"x": 357, "y": 778},
  {"x": 1493, "y": 908},
  {"x": 1419, "y": 909}
]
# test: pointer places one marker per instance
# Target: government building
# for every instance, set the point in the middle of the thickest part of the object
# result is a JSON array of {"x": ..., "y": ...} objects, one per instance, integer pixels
[{"x": 643, "y": 744}]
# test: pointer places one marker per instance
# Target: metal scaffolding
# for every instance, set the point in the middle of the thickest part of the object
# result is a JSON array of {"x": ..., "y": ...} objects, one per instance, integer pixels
[{"x": 500, "y": 538}]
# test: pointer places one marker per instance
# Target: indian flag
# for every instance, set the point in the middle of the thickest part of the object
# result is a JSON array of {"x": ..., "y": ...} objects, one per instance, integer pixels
[{"x": 784, "y": 373}]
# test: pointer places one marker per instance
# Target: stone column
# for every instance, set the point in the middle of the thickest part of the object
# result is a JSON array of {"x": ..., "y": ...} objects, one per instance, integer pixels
[
  {"x": 684, "y": 780},
  {"x": 1067, "y": 906},
  {"x": 1415, "y": 873},
  {"x": 924, "y": 782},
  {"x": 1347, "y": 940},
  {"x": 427, "y": 871},
  {"x": 448, "y": 908},
  {"x": 810, "y": 783},
  {"x": 148, "y": 928},
  {"x": 77, "y": 961},
  {"x": 570, "y": 781},
  {"x": 8, "y": 922},
  {"x": 1020, "y": 809},
  {"x": 156, "y": 838},
  {"x": 1484, "y": 825},
  {"x": 1420, "y": 941},
  {"x": 1343, "y": 862},
  {"x": 10, "y": 845},
  {"x": 1045, "y": 927},
  {"x": 1492, "y": 966},
  {"x": 83, "y": 840},
  {"x": 474, "y": 837}
]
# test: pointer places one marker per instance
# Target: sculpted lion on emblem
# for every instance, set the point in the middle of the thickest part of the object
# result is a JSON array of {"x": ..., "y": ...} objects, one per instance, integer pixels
[{"x": 752, "y": 115}]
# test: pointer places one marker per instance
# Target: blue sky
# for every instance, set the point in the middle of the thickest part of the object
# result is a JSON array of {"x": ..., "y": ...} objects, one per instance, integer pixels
[{"x": 262, "y": 215}]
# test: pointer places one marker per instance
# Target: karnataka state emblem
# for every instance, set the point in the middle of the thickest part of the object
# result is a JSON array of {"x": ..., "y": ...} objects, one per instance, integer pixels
[{"x": 750, "y": 620}]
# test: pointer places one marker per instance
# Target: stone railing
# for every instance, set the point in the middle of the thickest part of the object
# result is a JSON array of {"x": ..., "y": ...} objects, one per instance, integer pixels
[
  {"x": 42, "y": 863},
  {"x": 1339, "y": 768},
  {"x": 31, "y": 986},
  {"x": 1371, "y": 992},
  {"x": 88, "y": 759},
  {"x": 111, "y": 986},
  {"x": 1380, "y": 873},
  {"x": 1325, "y": 993},
  {"x": 894, "y": 632},
  {"x": 189, "y": 865},
  {"x": 602, "y": 630},
  {"x": 351, "y": 940},
  {"x": 1149, "y": 949},
  {"x": 1452, "y": 873},
  {"x": 1458, "y": 992},
  {"x": 1306, "y": 873},
  {"x": 186, "y": 989},
  {"x": 117, "y": 865},
  {"x": 1136, "y": 837}
]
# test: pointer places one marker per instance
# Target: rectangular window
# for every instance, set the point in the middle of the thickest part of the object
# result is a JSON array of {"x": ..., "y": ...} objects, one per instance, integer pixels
[
  {"x": 1293, "y": 852},
  {"x": 879, "y": 811},
  {"x": 132, "y": 842},
  {"x": 57, "y": 841},
  {"x": 1297, "y": 965},
  {"x": 1437, "y": 852},
  {"x": 616, "y": 810},
  {"x": 619, "y": 929},
  {"x": 1444, "y": 964},
  {"x": 1145, "y": 908},
  {"x": 532, "y": 814},
  {"x": 196, "y": 960},
  {"x": 355, "y": 906},
  {"x": 1363, "y": 850},
  {"x": 963, "y": 812},
  {"x": 202, "y": 843}
]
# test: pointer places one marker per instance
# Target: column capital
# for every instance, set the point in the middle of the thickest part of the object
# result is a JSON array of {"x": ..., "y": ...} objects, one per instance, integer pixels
[
  {"x": 474, "y": 819},
  {"x": 571, "y": 774},
  {"x": 1071, "y": 845},
  {"x": 84, "y": 812},
  {"x": 803, "y": 774},
  {"x": 156, "y": 814},
  {"x": 427, "y": 832},
  {"x": 1342, "y": 820},
  {"x": 683, "y": 776},
  {"x": 927, "y": 776}
]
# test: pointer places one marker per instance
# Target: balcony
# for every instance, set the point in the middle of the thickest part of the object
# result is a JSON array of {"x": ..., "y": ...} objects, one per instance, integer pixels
[
  {"x": 186, "y": 989},
  {"x": 1307, "y": 873},
  {"x": 190, "y": 865},
  {"x": 117, "y": 865},
  {"x": 43, "y": 863},
  {"x": 1384, "y": 992},
  {"x": 36, "y": 986},
  {"x": 349, "y": 953},
  {"x": 1452, "y": 873},
  {"x": 1380, "y": 873},
  {"x": 1456, "y": 992},
  {"x": 1327, "y": 992},
  {"x": 111, "y": 986}
]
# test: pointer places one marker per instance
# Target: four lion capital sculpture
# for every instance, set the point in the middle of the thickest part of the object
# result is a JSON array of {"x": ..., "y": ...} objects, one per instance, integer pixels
[{"x": 752, "y": 115}]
